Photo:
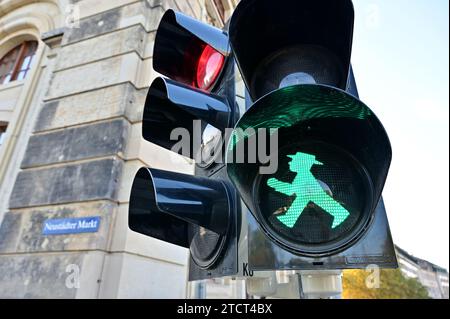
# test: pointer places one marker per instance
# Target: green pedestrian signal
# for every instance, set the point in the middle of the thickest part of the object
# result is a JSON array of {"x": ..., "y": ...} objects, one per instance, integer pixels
[
  {"x": 332, "y": 159},
  {"x": 307, "y": 189}
]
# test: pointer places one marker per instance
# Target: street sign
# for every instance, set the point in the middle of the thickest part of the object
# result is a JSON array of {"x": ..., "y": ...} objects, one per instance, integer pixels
[{"x": 60, "y": 226}]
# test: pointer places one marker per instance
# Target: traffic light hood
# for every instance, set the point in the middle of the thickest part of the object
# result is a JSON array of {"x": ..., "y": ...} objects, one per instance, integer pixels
[
  {"x": 163, "y": 203},
  {"x": 172, "y": 105},
  {"x": 303, "y": 37},
  {"x": 179, "y": 43}
]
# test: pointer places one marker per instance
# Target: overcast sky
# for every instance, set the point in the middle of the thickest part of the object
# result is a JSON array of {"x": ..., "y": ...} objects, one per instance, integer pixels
[{"x": 401, "y": 63}]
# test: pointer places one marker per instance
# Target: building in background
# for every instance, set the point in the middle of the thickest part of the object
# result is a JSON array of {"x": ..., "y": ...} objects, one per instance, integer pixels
[
  {"x": 432, "y": 277},
  {"x": 73, "y": 79}
]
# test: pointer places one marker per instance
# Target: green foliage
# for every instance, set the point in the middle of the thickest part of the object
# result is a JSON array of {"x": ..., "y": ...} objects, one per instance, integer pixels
[{"x": 393, "y": 285}]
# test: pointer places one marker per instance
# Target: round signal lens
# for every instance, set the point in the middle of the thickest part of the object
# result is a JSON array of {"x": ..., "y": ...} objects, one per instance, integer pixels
[
  {"x": 209, "y": 66},
  {"x": 317, "y": 199}
]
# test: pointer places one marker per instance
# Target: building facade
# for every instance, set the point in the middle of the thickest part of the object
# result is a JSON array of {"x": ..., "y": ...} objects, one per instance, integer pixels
[
  {"x": 432, "y": 277},
  {"x": 73, "y": 81}
]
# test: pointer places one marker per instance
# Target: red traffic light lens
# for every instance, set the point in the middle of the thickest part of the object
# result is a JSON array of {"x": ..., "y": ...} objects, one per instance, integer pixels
[{"x": 209, "y": 66}]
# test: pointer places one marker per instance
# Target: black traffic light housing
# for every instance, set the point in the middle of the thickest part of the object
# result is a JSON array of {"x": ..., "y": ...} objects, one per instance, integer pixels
[
  {"x": 322, "y": 208},
  {"x": 195, "y": 102},
  {"x": 373, "y": 244}
]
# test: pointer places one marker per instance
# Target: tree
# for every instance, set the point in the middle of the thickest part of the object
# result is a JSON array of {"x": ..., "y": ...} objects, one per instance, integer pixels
[{"x": 392, "y": 285}]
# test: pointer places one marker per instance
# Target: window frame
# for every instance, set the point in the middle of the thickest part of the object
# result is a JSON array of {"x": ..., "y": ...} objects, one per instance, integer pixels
[{"x": 18, "y": 63}]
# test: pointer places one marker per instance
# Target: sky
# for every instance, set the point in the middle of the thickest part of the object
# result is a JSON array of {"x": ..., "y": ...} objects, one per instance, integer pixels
[{"x": 401, "y": 64}]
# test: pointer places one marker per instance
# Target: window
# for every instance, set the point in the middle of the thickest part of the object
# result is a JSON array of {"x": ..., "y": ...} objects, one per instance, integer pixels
[
  {"x": 2, "y": 132},
  {"x": 17, "y": 62}
]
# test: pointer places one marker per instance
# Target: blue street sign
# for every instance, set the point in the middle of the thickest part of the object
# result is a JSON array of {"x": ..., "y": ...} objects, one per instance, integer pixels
[{"x": 71, "y": 225}]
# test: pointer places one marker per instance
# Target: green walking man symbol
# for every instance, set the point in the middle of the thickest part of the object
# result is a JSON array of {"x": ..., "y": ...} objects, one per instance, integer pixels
[{"x": 307, "y": 189}]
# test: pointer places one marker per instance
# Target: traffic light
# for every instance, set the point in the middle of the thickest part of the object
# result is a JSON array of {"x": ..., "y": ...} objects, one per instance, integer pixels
[
  {"x": 196, "y": 103},
  {"x": 320, "y": 208},
  {"x": 314, "y": 201}
]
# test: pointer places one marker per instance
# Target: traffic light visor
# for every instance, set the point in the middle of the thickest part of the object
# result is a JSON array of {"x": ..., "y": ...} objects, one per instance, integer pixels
[
  {"x": 189, "y": 51},
  {"x": 166, "y": 204},
  {"x": 273, "y": 41}
]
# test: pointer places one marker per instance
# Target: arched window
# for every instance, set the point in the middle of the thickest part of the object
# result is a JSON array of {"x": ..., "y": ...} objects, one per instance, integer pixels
[{"x": 17, "y": 62}]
